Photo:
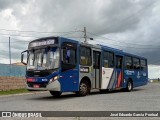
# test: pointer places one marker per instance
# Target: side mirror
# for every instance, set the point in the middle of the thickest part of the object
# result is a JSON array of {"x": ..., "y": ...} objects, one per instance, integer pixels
[{"x": 24, "y": 57}]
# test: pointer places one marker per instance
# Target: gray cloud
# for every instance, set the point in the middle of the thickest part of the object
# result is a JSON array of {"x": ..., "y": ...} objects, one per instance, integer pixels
[
  {"x": 134, "y": 22},
  {"x": 4, "y": 4},
  {"x": 100, "y": 17}
]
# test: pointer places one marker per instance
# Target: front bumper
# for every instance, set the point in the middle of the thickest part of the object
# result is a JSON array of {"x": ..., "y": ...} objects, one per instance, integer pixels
[{"x": 53, "y": 86}]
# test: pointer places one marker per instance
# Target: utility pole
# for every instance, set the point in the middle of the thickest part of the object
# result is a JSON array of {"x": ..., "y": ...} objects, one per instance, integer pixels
[
  {"x": 9, "y": 50},
  {"x": 85, "y": 35}
]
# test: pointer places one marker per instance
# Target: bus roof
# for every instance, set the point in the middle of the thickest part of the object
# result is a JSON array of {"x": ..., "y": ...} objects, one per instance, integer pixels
[
  {"x": 99, "y": 46},
  {"x": 120, "y": 51},
  {"x": 43, "y": 38}
]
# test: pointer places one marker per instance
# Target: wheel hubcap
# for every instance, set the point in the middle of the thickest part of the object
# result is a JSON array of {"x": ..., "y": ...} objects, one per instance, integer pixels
[
  {"x": 129, "y": 86},
  {"x": 83, "y": 88}
]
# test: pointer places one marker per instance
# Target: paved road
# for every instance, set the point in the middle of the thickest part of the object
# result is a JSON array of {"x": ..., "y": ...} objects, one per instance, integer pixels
[{"x": 146, "y": 98}]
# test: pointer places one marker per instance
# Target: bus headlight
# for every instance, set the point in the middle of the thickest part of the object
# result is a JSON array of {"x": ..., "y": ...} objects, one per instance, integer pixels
[{"x": 53, "y": 79}]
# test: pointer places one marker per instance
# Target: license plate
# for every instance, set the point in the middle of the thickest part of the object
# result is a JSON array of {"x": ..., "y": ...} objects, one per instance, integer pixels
[{"x": 36, "y": 86}]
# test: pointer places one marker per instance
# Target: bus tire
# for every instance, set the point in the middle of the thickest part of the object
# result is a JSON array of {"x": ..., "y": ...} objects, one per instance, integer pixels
[
  {"x": 84, "y": 88},
  {"x": 55, "y": 93},
  {"x": 129, "y": 86}
]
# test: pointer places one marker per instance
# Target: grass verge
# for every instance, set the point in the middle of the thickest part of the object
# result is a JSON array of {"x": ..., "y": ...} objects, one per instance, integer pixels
[
  {"x": 156, "y": 81},
  {"x": 17, "y": 91}
]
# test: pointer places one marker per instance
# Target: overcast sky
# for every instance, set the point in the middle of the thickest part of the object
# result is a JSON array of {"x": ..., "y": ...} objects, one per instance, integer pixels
[{"x": 130, "y": 25}]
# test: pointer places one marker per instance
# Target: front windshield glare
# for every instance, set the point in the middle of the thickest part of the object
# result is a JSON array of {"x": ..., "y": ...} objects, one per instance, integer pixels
[
  {"x": 31, "y": 60},
  {"x": 43, "y": 59},
  {"x": 54, "y": 59}
]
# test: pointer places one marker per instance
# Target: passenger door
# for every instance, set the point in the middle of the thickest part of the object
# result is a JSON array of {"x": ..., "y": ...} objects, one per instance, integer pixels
[
  {"x": 69, "y": 72},
  {"x": 119, "y": 71},
  {"x": 96, "y": 69}
]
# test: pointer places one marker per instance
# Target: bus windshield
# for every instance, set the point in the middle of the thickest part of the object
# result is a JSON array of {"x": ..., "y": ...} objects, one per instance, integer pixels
[{"x": 43, "y": 59}]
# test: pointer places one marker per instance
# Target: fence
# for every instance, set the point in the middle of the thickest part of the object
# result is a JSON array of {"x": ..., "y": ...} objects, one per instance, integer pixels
[
  {"x": 12, "y": 77},
  {"x": 12, "y": 70}
]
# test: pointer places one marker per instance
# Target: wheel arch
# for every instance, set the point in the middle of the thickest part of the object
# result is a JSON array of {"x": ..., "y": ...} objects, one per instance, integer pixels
[
  {"x": 87, "y": 79},
  {"x": 130, "y": 79},
  {"x": 129, "y": 85}
]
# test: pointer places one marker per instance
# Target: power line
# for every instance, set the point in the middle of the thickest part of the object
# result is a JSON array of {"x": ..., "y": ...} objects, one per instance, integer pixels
[
  {"x": 18, "y": 35},
  {"x": 21, "y": 40},
  {"x": 124, "y": 46},
  {"x": 17, "y": 40},
  {"x": 38, "y": 31},
  {"x": 109, "y": 39},
  {"x": 65, "y": 34},
  {"x": 131, "y": 47}
]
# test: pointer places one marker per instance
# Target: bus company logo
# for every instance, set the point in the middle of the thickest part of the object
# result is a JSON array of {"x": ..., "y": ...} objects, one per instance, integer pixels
[
  {"x": 144, "y": 74},
  {"x": 128, "y": 72},
  {"x": 138, "y": 75}
]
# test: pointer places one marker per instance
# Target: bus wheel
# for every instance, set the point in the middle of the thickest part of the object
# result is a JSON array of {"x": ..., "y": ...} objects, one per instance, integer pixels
[
  {"x": 84, "y": 89},
  {"x": 55, "y": 93},
  {"x": 129, "y": 86}
]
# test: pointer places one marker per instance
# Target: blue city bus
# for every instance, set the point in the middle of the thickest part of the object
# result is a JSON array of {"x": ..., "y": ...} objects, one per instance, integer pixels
[{"x": 60, "y": 64}]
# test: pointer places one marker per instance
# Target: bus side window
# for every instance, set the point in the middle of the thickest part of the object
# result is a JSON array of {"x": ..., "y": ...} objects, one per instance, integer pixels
[
  {"x": 105, "y": 61},
  {"x": 69, "y": 56},
  {"x": 85, "y": 56},
  {"x": 108, "y": 61},
  {"x": 111, "y": 59},
  {"x": 128, "y": 62},
  {"x": 136, "y": 63},
  {"x": 119, "y": 62},
  {"x": 143, "y": 65}
]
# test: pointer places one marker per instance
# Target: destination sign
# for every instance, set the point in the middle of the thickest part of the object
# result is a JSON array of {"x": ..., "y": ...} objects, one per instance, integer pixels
[{"x": 42, "y": 43}]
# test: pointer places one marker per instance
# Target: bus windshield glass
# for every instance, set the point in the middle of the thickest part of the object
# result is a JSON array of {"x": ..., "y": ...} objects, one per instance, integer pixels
[{"x": 43, "y": 59}]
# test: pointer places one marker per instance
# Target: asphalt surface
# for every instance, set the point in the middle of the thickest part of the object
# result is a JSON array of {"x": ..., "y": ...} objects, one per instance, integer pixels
[{"x": 145, "y": 98}]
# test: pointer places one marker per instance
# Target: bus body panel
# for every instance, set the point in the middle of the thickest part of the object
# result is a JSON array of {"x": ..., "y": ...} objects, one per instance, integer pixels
[
  {"x": 101, "y": 77},
  {"x": 139, "y": 78},
  {"x": 112, "y": 81},
  {"x": 69, "y": 79},
  {"x": 107, "y": 75},
  {"x": 86, "y": 72}
]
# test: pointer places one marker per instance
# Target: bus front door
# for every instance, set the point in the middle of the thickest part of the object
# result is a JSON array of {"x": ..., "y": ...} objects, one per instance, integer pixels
[
  {"x": 96, "y": 69},
  {"x": 119, "y": 71}
]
